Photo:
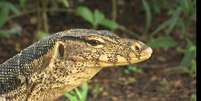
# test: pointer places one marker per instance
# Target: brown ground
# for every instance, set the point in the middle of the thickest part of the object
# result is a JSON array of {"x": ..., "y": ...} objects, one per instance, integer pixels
[{"x": 160, "y": 81}]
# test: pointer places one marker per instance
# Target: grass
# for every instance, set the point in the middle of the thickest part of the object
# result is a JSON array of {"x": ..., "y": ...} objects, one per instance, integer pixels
[
  {"x": 133, "y": 69},
  {"x": 180, "y": 17},
  {"x": 148, "y": 16},
  {"x": 193, "y": 97},
  {"x": 78, "y": 94},
  {"x": 97, "y": 90},
  {"x": 189, "y": 60},
  {"x": 7, "y": 8}
]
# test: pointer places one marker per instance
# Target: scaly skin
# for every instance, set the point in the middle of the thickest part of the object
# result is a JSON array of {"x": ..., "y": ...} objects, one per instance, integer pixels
[{"x": 63, "y": 61}]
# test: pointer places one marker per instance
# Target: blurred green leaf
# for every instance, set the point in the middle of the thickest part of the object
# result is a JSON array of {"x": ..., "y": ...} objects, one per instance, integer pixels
[
  {"x": 148, "y": 15},
  {"x": 97, "y": 89},
  {"x": 189, "y": 55},
  {"x": 85, "y": 13},
  {"x": 187, "y": 6},
  {"x": 3, "y": 16},
  {"x": 162, "y": 42},
  {"x": 15, "y": 30},
  {"x": 84, "y": 92},
  {"x": 65, "y": 3},
  {"x": 173, "y": 20},
  {"x": 193, "y": 67},
  {"x": 71, "y": 97},
  {"x": 133, "y": 69},
  {"x": 193, "y": 97},
  {"x": 3, "y": 34},
  {"x": 12, "y": 8},
  {"x": 78, "y": 94},
  {"x": 181, "y": 17},
  {"x": 169, "y": 24},
  {"x": 5, "y": 9},
  {"x": 162, "y": 26},
  {"x": 182, "y": 25},
  {"x": 109, "y": 24},
  {"x": 155, "y": 8},
  {"x": 98, "y": 17},
  {"x": 41, "y": 35},
  {"x": 23, "y": 3}
]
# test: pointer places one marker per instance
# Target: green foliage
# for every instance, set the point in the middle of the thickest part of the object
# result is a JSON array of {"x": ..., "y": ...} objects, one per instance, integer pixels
[
  {"x": 6, "y": 8},
  {"x": 193, "y": 97},
  {"x": 23, "y": 3},
  {"x": 96, "y": 18},
  {"x": 162, "y": 42},
  {"x": 157, "y": 6},
  {"x": 97, "y": 89},
  {"x": 188, "y": 7},
  {"x": 133, "y": 69},
  {"x": 112, "y": 25},
  {"x": 41, "y": 35},
  {"x": 170, "y": 24},
  {"x": 148, "y": 14},
  {"x": 65, "y": 3},
  {"x": 86, "y": 14},
  {"x": 16, "y": 30},
  {"x": 189, "y": 59},
  {"x": 78, "y": 95},
  {"x": 180, "y": 17}
]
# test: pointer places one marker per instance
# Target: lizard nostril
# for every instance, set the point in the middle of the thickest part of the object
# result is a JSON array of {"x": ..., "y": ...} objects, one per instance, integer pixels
[{"x": 137, "y": 49}]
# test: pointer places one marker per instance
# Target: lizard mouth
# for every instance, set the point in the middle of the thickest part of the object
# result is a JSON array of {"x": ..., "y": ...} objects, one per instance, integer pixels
[{"x": 144, "y": 55}]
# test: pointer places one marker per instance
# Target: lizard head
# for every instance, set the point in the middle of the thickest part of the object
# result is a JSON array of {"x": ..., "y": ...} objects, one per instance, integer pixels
[
  {"x": 58, "y": 63},
  {"x": 102, "y": 48}
]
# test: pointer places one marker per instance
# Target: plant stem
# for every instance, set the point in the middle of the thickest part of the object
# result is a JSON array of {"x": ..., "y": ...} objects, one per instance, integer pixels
[
  {"x": 114, "y": 10},
  {"x": 44, "y": 15},
  {"x": 38, "y": 14}
]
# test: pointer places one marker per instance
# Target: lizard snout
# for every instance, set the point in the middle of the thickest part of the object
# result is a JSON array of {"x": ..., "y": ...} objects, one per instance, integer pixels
[{"x": 140, "y": 52}]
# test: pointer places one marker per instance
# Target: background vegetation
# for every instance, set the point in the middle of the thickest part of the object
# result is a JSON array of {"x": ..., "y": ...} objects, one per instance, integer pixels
[{"x": 168, "y": 26}]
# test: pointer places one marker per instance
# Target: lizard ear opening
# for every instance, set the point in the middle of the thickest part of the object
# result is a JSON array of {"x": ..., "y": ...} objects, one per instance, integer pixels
[{"x": 61, "y": 51}]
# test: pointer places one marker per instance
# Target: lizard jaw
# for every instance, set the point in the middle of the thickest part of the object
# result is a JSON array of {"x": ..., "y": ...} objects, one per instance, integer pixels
[{"x": 146, "y": 54}]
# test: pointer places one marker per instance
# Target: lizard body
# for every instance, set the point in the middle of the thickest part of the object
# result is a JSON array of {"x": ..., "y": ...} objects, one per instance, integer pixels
[{"x": 63, "y": 61}]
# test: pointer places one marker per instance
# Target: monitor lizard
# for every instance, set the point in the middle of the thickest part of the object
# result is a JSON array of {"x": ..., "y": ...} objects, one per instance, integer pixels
[{"x": 62, "y": 61}]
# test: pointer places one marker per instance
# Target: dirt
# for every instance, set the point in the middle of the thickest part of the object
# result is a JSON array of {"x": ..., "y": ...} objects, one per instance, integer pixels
[
  {"x": 152, "y": 85},
  {"x": 161, "y": 80}
]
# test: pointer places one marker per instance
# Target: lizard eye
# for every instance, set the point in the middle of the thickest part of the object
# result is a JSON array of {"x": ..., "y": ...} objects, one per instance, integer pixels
[{"x": 94, "y": 42}]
